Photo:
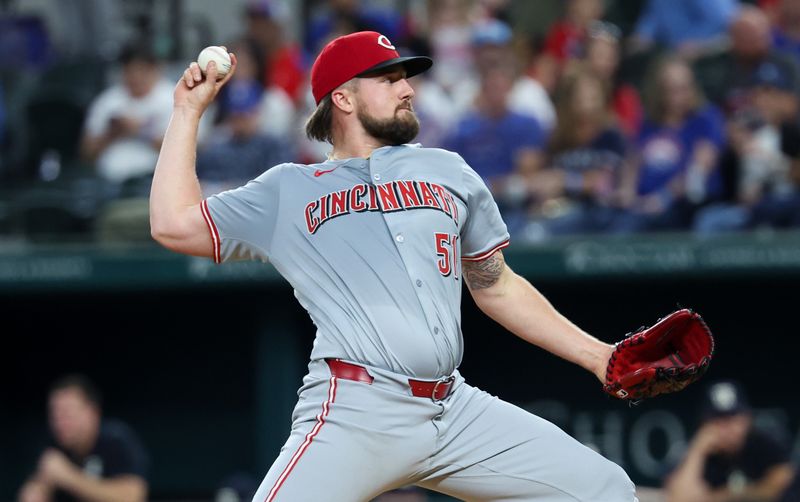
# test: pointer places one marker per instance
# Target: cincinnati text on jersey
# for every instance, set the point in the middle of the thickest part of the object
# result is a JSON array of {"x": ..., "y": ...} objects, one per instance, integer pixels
[{"x": 401, "y": 195}]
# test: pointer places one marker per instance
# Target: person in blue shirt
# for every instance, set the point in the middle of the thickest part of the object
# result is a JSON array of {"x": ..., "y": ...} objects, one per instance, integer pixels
[
  {"x": 727, "y": 77},
  {"x": 505, "y": 148},
  {"x": 690, "y": 27},
  {"x": 346, "y": 16},
  {"x": 576, "y": 192},
  {"x": 240, "y": 150},
  {"x": 786, "y": 28},
  {"x": 677, "y": 153}
]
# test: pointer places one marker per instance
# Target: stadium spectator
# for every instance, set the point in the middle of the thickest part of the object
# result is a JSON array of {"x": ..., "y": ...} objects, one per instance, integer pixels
[
  {"x": 338, "y": 17},
  {"x": 275, "y": 110},
  {"x": 757, "y": 164},
  {"x": 92, "y": 458},
  {"x": 587, "y": 152},
  {"x": 689, "y": 27},
  {"x": 677, "y": 153},
  {"x": 126, "y": 123},
  {"x": 240, "y": 150},
  {"x": 504, "y": 147},
  {"x": 729, "y": 458},
  {"x": 450, "y": 32},
  {"x": 603, "y": 54},
  {"x": 727, "y": 77},
  {"x": 280, "y": 61},
  {"x": 563, "y": 42},
  {"x": 492, "y": 46},
  {"x": 567, "y": 36},
  {"x": 786, "y": 28}
]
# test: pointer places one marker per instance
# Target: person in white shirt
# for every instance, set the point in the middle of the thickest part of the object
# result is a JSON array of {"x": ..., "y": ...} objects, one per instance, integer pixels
[{"x": 126, "y": 122}]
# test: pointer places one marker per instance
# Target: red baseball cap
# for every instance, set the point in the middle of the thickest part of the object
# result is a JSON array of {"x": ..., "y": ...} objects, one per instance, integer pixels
[{"x": 355, "y": 54}]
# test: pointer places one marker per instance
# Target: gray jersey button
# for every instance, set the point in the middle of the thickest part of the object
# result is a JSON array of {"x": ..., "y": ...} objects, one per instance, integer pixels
[
  {"x": 400, "y": 238},
  {"x": 376, "y": 177},
  {"x": 419, "y": 283},
  {"x": 436, "y": 330}
]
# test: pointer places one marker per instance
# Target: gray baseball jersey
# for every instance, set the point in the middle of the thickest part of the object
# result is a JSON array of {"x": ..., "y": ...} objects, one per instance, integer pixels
[{"x": 372, "y": 247}]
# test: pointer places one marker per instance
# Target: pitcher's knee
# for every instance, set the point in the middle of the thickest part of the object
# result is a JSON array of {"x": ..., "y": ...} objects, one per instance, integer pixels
[{"x": 615, "y": 485}]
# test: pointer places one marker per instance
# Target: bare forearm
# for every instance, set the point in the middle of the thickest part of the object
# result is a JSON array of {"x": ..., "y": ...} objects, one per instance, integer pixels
[
  {"x": 128, "y": 489},
  {"x": 686, "y": 483},
  {"x": 175, "y": 197},
  {"x": 175, "y": 185},
  {"x": 769, "y": 488},
  {"x": 520, "y": 308},
  {"x": 176, "y": 220}
]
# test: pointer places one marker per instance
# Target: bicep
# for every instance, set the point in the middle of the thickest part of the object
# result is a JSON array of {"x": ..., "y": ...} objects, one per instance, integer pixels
[{"x": 484, "y": 277}]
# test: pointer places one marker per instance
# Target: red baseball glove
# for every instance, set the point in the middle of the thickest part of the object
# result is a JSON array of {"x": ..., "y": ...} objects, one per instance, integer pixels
[{"x": 665, "y": 357}]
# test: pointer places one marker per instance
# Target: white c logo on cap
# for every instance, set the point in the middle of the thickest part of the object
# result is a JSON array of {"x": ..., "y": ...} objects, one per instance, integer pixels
[{"x": 384, "y": 42}]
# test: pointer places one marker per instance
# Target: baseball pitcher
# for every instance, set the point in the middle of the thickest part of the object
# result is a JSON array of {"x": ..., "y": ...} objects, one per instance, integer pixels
[{"x": 376, "y": 241}]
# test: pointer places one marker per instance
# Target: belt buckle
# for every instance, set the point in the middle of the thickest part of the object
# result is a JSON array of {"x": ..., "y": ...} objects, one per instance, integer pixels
[{"x": 443, "y": 381}]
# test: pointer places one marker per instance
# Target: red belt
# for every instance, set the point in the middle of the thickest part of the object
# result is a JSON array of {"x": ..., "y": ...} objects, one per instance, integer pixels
[{"x": 436, "y": 390}]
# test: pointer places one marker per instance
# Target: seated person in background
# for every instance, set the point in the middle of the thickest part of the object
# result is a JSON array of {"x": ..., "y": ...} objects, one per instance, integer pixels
[
  {"x": 504, "y": 148},
  {"x": 281, "y": 60},
  {"x": 729, "y": 459},
  {"x": 566, "y": 39},
  {"x": 786, "y": 27},
  {"x": 492, "y": 45},
  {"x": 276, "y": 112},
  {"x": 91, "y": 458},
  {"x": 603, "y": 55},
  {"x": 587, "y": 151},
  {"x": 758, "y": 163},
  {"x": 238, "y": 150},
  {"x": 689, "y": 27},
  {"x": 726, "y": 77},
  {"x": 126, "y": 123},
  {"x": 675, "y": 169}
]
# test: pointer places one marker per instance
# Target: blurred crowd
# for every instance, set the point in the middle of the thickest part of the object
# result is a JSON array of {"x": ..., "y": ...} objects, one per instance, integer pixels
[{"x": 684, "y": 119}]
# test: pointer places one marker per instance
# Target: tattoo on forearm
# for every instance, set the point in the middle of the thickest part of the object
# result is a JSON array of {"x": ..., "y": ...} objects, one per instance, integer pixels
[{"x": 485, "y": 273}]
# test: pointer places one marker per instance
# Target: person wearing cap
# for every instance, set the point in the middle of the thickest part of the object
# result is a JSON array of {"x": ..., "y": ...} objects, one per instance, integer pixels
[
  {"x": 729, "y": 459},
  {"x": 759, "y": 166},
  {"x": 375, "y": 241},
  {"x": 726, "y": 78},
  {"x": 491, "y": 47}
]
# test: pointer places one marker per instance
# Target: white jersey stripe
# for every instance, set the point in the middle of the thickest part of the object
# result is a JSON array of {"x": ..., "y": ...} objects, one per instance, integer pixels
[
  {"x": 309, "y": 438},
  {"x": 487, "y": 254},
  {"x": 212, "y": 229}
]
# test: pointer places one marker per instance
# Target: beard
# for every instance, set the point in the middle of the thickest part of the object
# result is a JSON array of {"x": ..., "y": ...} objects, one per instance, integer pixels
[{"x": 398, "y": 130}]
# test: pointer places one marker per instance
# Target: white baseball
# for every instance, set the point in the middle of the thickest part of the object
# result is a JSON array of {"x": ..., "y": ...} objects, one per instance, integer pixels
[{"x": 217, "y": 54}]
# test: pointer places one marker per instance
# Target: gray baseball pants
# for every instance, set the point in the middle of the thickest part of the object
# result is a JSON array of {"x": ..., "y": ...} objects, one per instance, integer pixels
[{"x": 352, "y": 441}]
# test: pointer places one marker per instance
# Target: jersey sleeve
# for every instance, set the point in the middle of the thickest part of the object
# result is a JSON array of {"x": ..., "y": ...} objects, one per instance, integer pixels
[
  {"x": 241, "y": 221},
  {"x": 484, "y": 230}
]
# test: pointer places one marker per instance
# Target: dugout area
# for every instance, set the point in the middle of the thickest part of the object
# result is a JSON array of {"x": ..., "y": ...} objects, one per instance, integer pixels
[{"x": 204, "y": 362}]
